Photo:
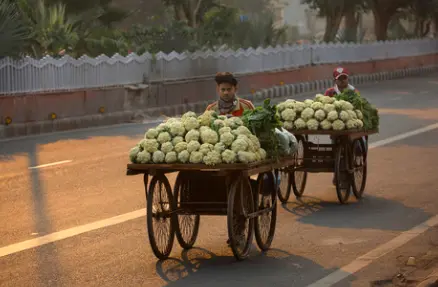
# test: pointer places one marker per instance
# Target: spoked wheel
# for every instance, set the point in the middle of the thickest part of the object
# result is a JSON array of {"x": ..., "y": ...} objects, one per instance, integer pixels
[
  {"x": 299, "y": 177},
  {"x": 265, "y": 199},
  {"x": 240, "y": 225},
  {"x": 159, "y": 216},
  {"x": 186, "y": 225},
  {"x": 359, "y": 167},
  {"x": 284, "y": 188},
  {"x": 342, "y": 176}
]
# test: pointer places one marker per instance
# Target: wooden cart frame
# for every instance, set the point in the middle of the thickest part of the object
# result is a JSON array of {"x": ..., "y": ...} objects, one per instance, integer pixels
[
  {"x": 346, "y": 158},
  {"x": 226, "y": 189}
]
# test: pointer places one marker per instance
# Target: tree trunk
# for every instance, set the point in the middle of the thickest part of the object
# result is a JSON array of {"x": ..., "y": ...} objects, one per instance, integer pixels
[
  {"x": 381, "y": 22},
  {"x": 331, "y": 27},
  {"x": 351, "y": 23}
]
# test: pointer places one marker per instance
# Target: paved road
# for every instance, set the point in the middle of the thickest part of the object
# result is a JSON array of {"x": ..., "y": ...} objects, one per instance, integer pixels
[{"x": 314, "y": 238}]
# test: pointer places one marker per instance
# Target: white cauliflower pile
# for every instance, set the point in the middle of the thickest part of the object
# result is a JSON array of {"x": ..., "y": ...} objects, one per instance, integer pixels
[
  {"x": 320, "y": 113},
  {"x": 207, "y": 139}
]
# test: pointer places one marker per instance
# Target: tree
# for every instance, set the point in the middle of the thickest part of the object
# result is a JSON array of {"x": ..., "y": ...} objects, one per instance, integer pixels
[
  {"x": 191, "y": 11},
  {"x": 13, "y": 31},
  {"x": 333, "y": 11},
  {"x": 423, "y": 12},
  {"x": 383, "y": 11},
  {"x": 352, "y": 13}
]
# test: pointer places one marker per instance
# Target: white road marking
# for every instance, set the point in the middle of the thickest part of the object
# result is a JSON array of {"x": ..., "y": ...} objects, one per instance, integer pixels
[
  {"x": 375, "y": 254},
  {"x": 50, "y": 164},
  {"x": 39, "y": 241},
  {"x": 56, "y": 236},
  {"x": 403, "y": 136}
]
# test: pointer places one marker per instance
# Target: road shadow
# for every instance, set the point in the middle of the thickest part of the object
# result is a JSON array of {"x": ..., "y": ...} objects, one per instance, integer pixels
[
  {"x": 20, "y": 146},
  {"x": 370, "y": 212},
  {"x": 200, "y": 267},
  {"x": 47, "y": 262}
]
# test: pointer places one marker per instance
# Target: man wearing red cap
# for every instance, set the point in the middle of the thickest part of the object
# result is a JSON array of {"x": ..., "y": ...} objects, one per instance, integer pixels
[{"x": 340, "y": 76}]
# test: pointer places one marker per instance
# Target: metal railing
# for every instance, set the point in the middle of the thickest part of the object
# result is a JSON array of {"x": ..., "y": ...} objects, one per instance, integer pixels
[{"x": 29, "y": 75}]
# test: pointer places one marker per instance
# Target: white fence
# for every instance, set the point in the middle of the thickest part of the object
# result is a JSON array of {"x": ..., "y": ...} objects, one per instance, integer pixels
[{"x": 67, "y": 73}]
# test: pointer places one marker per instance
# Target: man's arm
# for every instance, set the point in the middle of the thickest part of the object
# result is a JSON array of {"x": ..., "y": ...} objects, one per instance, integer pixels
[{"x": 247, "y": 105}]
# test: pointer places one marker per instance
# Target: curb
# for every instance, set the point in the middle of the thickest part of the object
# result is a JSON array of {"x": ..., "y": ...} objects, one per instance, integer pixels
[{"x": 286, "y": 90}]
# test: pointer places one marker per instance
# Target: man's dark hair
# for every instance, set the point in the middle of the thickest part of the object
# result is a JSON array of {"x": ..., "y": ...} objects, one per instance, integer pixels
[{"x": 225, "y": 77}]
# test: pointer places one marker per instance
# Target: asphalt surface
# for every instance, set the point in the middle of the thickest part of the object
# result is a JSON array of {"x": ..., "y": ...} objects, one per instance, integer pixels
[{"x": 315, "y": 236}]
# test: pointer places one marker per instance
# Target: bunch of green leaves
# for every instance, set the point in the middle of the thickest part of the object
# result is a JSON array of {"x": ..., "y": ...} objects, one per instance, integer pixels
[
  {"x": 371, "y": 117},
  {"x": 262, "y": 122}
]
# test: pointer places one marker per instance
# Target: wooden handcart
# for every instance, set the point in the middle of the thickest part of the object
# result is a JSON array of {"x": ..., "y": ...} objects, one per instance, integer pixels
[
  {"x": 346, "y": 158},
  {"x": 226, "y": 189}
]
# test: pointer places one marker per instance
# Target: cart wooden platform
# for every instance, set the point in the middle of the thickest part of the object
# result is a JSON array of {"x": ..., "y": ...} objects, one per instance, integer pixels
[
  {"x": 226, "y": 189},
  {"x": 346, "y": 157}
]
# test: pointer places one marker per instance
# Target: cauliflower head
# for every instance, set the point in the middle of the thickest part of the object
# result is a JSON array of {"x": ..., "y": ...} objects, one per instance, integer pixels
[
  {"x": 344, "y": 116},
  {"x": 300, "y": 124},
  {"x": 338, "y": 105},
  {"x": 167, "y": 147},
  {"x": 320, "y": 115},
  {"x": 242, "y": 130},
  {"x": 288, "y": 115},
  {"x": 184, "y": 156},
  {"x": 227, "y": 138},
  {"x": 328, "y": 108},
  {"x": 133, "y": 154},
  {"x": 224, "y": 130},
  {"x": 239, "y": 145},
  {"x": 327, "y": 100},
  {"x": 346, "y": 106},
  {"x": 255, "y": 141},
  {"x": 158, "y": 156},
  {"x": 262, "y": 154},
  {"x": 359, "y": 124},
  {"x": 219, "y": 123},
  {"x": 191, "y": 123},
  {"x": 150, "y": 145},
  {"x": 188, "y": 115},
  {"x": 164, "y": 137},
  {"x": 317, "y": 106},
  {"x": 246, "y": 156},
  {"x": 290, "y": 104},
  {"x": 171, "y": 157},
  {"x": 312, "y": 124},
  {"x": 281, "y": 107},
  {"x": 179, "y": 147},
  {"x": 229, "y": 156},
  {"x": 308, "y": 103},
  {"x": 192, "y": 135},
  {"x": 193, "y": 146},
  {"x": 319, "y": 98},
  {"x": 299, "y": 106},
  {"x": 326, "y": 125},
  {"x": 234, "y": 122},
  {"x": 206, "y": 147},
  {"x": 332, "y": 116},
  {"x": 352, "y": 114},
  {"x": 143, "y": 157},
  {"x": 307, "y": 114},
  {"x": 209, "y": 136},
  {"x": 288, "y": 125},
  {"x": 196, "y": 157},
  {"x": 177, "y": 140},
  {"x": 351, "y": 124},
  {"x": 220, "y": 147},
  {"x": 212, "y": 158},
  {"x": 359, "y": 114},
  {"x": 151, "y": 134},
  {"x": 177, "y": 129},
  {"x": 338, "y": 125}
]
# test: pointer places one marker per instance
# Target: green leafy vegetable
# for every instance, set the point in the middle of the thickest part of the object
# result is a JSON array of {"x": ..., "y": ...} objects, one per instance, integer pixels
[
  {"x": 371, "y": 117},
  {"x": 262, "y": 122}
]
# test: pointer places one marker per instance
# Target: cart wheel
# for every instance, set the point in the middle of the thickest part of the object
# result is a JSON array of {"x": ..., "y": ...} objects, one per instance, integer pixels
[
  {"x": 342, "y": 176},
  {"x": 285, "y": 185},
  {"x": 186, "y": 225},
  {"x": 265, "y": 198},
  {"x": 240, "y": 225},
  {"x": 159, "y": 216},
  {"x": 299, "y": 178},
  {"x": 360, "y": 167}
]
